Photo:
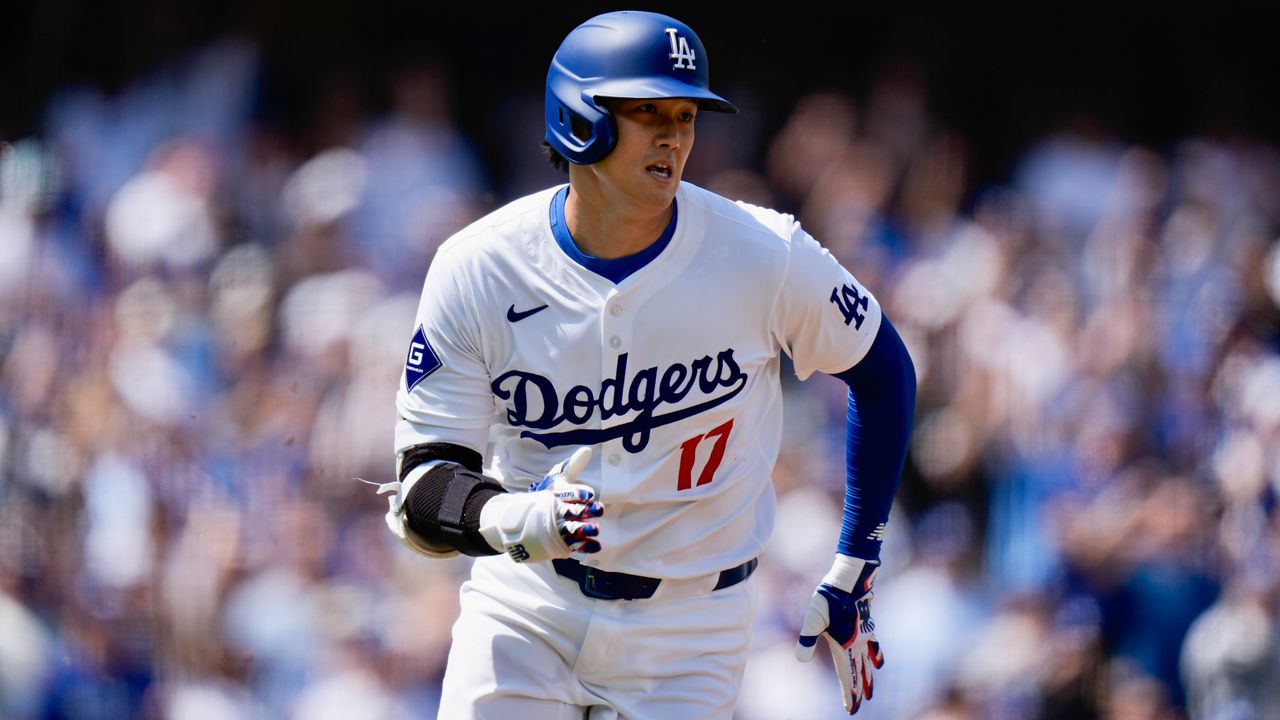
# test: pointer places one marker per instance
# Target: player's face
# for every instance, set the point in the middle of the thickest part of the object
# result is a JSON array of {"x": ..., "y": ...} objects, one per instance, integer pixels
[{"x": 654, "y": 140}]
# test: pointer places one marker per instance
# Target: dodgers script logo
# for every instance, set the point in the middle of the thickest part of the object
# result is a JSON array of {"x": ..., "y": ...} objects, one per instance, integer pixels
[{"x": 642, "y": 394}]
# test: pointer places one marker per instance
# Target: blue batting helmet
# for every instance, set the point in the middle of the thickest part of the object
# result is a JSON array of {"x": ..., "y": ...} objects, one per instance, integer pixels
[{"x": 629, "y": 54}]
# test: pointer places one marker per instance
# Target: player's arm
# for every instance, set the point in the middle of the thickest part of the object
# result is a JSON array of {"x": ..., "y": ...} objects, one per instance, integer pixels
[
  {"x": 444, "y": 505},
  {"x": 828, "y": 322},
  {"x": 882, "y": 392},
  {"x": 877, "y": 432},
  {"x": 882, "y": 397}
]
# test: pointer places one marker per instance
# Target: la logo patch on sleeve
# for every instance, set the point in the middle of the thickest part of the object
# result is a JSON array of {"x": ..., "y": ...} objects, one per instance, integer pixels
[{"x": 422, "y": 360}]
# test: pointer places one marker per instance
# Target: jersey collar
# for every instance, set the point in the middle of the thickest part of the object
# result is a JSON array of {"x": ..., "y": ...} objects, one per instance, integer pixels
[{"x": 616, "y": 269}]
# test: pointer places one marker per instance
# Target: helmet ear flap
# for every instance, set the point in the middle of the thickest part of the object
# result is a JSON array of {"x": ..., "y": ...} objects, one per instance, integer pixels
[{"x": 584, "y": 134}]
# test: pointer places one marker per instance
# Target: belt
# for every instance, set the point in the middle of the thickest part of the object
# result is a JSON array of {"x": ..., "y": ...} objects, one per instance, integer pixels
[{"x": 605, "y": 585}]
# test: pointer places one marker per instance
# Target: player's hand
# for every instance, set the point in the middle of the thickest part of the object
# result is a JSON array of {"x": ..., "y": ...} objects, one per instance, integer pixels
[
  {"x": 576, "y": 503},
  {"x": 840, "y": 612},
  {"x": 553, "y": 520}
]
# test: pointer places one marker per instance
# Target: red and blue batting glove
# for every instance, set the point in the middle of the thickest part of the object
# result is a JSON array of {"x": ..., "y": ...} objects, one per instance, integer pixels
[
  {"x": 576, "y": 503},
  {"x": 552, "y": 521},
  {"x": 840, "y": 612}
]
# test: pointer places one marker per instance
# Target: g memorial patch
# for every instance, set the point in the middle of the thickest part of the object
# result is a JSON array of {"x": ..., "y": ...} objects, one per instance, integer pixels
[{"x": 421, "y": 362}]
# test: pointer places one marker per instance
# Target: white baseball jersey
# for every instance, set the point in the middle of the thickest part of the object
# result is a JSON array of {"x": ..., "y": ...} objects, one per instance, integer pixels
[{"x": 672, "y": 374}]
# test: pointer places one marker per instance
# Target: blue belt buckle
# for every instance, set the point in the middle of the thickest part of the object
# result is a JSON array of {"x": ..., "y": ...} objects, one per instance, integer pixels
[{"x": 588, "y": 585}]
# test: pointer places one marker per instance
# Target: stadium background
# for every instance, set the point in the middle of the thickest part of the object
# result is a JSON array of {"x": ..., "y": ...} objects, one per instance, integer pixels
[{"x": 215, "y": 217}]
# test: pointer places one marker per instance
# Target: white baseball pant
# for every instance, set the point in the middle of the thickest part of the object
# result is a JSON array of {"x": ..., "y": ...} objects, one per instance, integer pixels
[{"x": 529, "y": 645}]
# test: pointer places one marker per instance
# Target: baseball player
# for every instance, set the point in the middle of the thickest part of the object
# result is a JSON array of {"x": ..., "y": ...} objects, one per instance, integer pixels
[{"x": 625, "y": 331}]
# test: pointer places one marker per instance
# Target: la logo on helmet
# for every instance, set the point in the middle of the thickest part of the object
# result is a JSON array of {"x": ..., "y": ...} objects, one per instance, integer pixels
[{"x": 680, "y": 51}]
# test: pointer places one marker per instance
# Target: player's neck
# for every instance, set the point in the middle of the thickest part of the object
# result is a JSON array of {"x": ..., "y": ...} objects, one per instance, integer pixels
[{"x": 611, "y": 230}]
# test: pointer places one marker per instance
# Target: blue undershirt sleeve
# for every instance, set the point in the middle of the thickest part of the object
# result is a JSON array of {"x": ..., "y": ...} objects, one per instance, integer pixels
[{"x": 882, "y": 398}]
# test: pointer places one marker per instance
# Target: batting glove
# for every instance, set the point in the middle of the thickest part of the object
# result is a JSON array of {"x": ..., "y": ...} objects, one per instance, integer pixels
[
  {"x": 552, "y": 520},
  {"x": 840, "y": 612}
]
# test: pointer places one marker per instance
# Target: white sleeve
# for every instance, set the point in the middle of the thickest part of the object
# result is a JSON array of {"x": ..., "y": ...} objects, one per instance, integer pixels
[
  {"x": 823, "y": 318},
  {"x": 444, "y": 393}
]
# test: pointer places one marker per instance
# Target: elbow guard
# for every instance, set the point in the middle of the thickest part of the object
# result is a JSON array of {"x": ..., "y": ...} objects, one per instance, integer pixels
[
  {"x": 436, "y": 507},
  {"x": 443, "y": 507}
]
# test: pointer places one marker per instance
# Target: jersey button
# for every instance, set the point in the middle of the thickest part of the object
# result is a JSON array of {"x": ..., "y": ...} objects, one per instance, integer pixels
[
  {"x": 615, "y": 310},
  {"x": 615, "y": 342},
  {"x": 614, "y": 459}
]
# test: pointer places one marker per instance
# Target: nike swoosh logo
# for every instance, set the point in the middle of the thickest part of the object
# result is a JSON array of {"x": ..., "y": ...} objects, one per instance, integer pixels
[{"x": 513, "y": 316}]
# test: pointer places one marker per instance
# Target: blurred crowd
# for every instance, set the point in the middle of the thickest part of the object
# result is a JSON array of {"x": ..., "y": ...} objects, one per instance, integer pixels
[{"x": 203, "y": 324}]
